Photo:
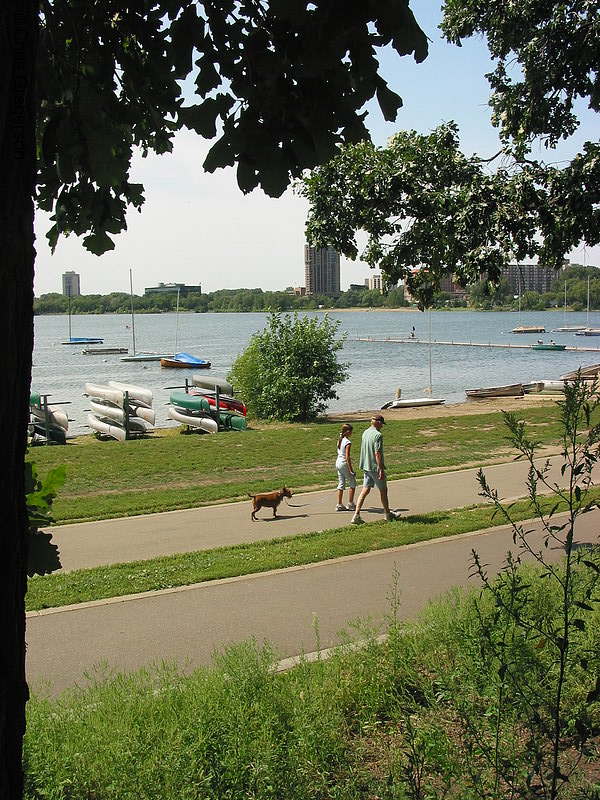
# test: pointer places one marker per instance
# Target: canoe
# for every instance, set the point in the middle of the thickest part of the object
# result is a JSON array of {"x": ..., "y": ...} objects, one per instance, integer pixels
[
  {"x": 134, "y": 392},
  {"x": 106, "y": 428},
  {"x": 54, "y": 433},
  {"x": 104, "y": 393},
  {"x": 226, "y": 402},
  {"x": 191, "y": 402},
  {"x": 186, "y": 361},
  {"x": 209, "y": 382},
  {"x": 56, "y": 416},
  {"x": 193, "y": 419},
  {"x": 510, "y": 390},
  {"x": 414, "y": 402},
  {"x": 104, "y": 408},
  {"x": 111, "y": 427},
  {"x": 232, "y": 421}
]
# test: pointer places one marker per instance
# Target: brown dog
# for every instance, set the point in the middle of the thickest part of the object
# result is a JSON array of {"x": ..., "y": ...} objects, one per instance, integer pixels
[{"x": 268, "y": 500}]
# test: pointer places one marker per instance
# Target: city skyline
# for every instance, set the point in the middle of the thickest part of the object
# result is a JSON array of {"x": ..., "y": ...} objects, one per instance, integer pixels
[{"x": 198, "y": 228}]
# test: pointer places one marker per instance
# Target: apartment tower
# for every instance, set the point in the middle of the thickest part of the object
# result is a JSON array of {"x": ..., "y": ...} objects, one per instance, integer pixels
[{"x": 321, "y": 270}]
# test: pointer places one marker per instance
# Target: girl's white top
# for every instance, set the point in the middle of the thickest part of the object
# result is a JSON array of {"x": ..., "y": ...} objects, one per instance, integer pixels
[{"x": 341, "y": 453}]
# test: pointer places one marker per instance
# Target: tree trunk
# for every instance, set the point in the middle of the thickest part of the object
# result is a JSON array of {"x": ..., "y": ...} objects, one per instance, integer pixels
[{"x": 18, "y": 43}]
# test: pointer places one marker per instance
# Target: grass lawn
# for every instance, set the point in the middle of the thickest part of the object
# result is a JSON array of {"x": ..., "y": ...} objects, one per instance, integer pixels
[{"x": 170, "y": 470}]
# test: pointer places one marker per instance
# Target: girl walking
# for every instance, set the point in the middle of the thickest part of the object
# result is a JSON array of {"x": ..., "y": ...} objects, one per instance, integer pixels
[{"x": 345, "y": 472}]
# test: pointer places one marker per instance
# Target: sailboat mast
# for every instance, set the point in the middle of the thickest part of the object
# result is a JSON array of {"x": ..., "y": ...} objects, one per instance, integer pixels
[
  {"x": 177, "y": 322},
  {"x": 430, "y": 381},
  {"x": 132, "y": 315},
  {"x": 69, "y": 301},
  {"x": 565, "y": 322}
]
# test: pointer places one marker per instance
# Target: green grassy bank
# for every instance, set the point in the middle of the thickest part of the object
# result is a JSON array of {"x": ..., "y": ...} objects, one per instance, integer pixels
[{"x": 170, "y": 470}]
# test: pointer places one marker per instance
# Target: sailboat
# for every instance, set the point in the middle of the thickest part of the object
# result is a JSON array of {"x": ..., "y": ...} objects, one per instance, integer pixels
[
  {"x": 415, "y": 402},
  {"x": 138, "y": 356},
  {"x": 526, "y": 328},
  {"x": 569, "y": 328},
  {"x": 182, "y": 360},
  {"x": 79, "y": 339},
  {"x": 587, "y": 331}
]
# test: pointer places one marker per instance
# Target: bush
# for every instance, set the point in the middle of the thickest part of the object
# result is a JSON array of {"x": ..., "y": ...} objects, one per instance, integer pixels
[{"x": 288, "y": 372}]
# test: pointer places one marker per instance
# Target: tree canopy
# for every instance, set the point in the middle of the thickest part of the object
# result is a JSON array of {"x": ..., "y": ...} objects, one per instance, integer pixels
[
  {"x": 424, "y": 204},
  {"x": 279, "y": 85}
]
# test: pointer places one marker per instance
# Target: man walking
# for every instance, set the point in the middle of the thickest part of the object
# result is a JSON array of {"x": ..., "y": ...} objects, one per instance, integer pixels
[{"x": 373, "y": 465}]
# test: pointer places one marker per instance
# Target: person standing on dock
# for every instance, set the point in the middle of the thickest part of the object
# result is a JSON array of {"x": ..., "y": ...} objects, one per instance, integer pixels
[{"x": 373, "y": 465}]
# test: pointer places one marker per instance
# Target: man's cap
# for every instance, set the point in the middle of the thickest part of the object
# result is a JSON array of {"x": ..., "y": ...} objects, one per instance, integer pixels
[{"x": 379, "y": 418}]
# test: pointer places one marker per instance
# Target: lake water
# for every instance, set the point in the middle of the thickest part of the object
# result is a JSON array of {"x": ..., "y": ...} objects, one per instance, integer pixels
[{"x": 377, "y": 368}]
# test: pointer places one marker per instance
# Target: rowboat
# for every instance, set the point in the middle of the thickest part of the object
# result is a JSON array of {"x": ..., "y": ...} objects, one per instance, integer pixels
[
  {"x": 184, "y": 361},
  {"x": 193, "y": 419},
  {"x": 510, "y": 390},
  {"x": 549, "y": 346},
  {"x": 587, "y": 373}
]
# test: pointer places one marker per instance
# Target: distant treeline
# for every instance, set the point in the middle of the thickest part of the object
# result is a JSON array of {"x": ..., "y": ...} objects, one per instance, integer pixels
[
  {"x": 221, "y": 300},
  {"x": 479, "y": 296}
]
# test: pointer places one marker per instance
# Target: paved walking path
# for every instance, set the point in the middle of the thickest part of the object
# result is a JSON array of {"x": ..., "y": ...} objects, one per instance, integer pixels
[{"x": 187, "y": 624}]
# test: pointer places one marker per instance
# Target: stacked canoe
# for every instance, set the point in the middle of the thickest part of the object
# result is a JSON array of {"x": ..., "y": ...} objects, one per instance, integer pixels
[
  {"x": 208, "y": 406},
  {"x": 119, "y": 410},
  {"x": 46, "y": 421}
]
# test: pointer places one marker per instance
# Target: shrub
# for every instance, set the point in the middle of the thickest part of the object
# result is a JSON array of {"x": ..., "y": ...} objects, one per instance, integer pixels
[{"x": 289, "y": 370}]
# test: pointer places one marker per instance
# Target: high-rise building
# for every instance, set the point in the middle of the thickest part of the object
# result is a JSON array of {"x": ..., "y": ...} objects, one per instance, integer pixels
[
  {"x": 70, "y": 284},
  {"x": 322, "y": 270}
]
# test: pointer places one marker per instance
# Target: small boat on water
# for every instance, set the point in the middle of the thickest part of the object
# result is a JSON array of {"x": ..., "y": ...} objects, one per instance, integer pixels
[
  {"x": 548, "y": 346},
  {"x": 184, "y": 361},
  {"x": 588, "y": 332},
  {"x": 510, "y": 390},
  {"x": 529, "y": 329},
  {"x": 102, "y": 351}
]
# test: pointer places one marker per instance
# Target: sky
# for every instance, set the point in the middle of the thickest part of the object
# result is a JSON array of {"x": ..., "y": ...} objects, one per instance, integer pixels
[{"x": 198, "y": 228}]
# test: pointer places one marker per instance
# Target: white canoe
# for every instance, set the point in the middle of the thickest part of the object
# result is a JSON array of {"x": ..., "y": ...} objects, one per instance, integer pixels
[
  {"x": 208, "y": 382},
  {"x": 104, "y": 393},
  {"x": 104, "y": 408},
  {"x": 134, "y": 392},
  {"x": 415, "y": 402},
  {"x": 106, "y": 428},
  {"x": 56, "y": 416},
  {"x": 204, "y": 423}
]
